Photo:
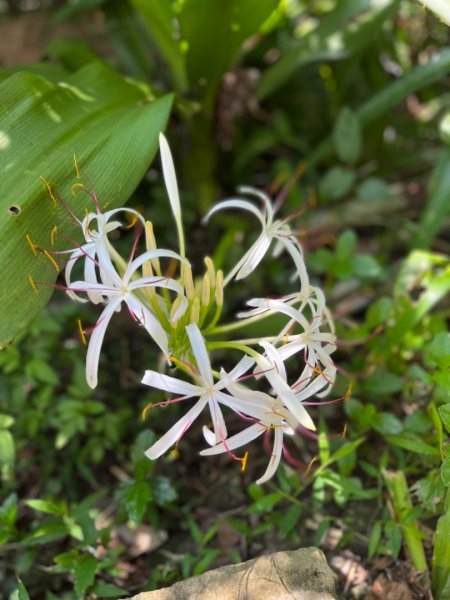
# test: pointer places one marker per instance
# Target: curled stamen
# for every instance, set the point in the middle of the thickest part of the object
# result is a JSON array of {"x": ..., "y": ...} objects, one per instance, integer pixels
[
  {"x": 53, "y": 233},
  {"x": 48, "y": 189},
  {"x": 30, "y": 243},
  {"x": 82, "y": 332},
  {"x": 77, "y": 186},
  {"x": 33, "y": 284},
  {"x": 51, "y": 259},
  {"x": 75, "y": 164}
]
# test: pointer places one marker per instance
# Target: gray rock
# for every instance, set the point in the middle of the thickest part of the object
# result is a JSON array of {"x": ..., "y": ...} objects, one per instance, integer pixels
[{"x": 298, "y": 575}]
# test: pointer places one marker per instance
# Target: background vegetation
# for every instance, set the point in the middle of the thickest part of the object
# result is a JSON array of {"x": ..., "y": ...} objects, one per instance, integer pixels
[{"x": 344, "y": 105}]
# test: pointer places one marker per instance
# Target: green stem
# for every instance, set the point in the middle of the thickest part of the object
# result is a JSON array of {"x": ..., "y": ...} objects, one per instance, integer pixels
[
  {"x": 401, "y": 500},
  {"x": 235, "y": 345}
]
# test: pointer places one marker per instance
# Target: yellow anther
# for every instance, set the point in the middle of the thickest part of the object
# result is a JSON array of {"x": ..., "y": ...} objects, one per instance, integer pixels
[
  {"x": 175, "y": 453},
  {"x": 219, "y": 288},
  {"x": 175, "y": 307},
  {"x": 48, "y": 189},
  {"x": 132, "y": 222},
  {"x": 33, "y": 284},
  {"x": 206, "y": 289},
  {"x": 188, "y": 282},
  {"x": 195, "y": 311},
  {"x": 211, "y": 271},
  {"x": 30, "y": 243},
  {"x": 145, "y": 410},
  {"x": 344, "y": 432},
  {"x": 75, "y": 164},
  {"x": 53, "y": 233},
  {"x": 51, "y": 259},
  {"x": 150, "y": 243},
  {"x": 82, "y": 333},
  {"x": 348, "y": 393},
  {"x": 77, "y": 186},
  {"x": 311, "y": 462},
  {"x": 244, "y": 462}
]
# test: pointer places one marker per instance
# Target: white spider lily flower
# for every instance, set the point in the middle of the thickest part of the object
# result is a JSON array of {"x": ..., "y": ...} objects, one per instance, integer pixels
[
  {"x": 116, "y": 290},
  {"x": 170, "y": 180},
  {"x": 313, "y": 298},
  {"x": 318, "y": 345},
  {"x": 273, "y": 370},
  {"x": 278, "y": 230},
  {"x": 96, "y": 241},
  {"x": 208, "y": 393}
]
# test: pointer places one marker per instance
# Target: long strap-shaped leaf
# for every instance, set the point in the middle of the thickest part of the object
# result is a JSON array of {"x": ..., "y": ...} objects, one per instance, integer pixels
[{"x": 109, "y": 123}]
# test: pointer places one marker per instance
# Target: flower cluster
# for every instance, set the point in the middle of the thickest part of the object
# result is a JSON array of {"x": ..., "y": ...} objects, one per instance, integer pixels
[{"x": 181, "y": 314}]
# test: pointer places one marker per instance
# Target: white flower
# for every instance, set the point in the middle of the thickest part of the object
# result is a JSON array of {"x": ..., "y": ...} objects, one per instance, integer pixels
[
  {"x": 270, "y": 415},
  {"x": 97, "y": 249},
  {"x": 115, "y": 290},
  {"x": 208, "y": 392},
  {"x": 273, "y": 370},
  {"x": 317, "y": 345},
  {"x": 278, "y": 230}
]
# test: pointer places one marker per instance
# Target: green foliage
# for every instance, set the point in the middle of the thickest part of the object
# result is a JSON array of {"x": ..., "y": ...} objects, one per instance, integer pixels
[
  {"x": 331, "y": 91},
  {"x": 112, "y": 127}
]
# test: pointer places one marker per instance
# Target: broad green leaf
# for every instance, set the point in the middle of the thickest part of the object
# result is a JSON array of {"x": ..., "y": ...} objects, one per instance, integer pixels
[
  {"x": 84, "y": 573},
  {"x": 110, "y": 124},
  {"x": 137, "y": 496},
  {"x": 130, "y": 37},
  {"x": 345, "y": 30},
  {"x": 213, "y": 34},
  {"x": 160, "y": 17},
  {"x": 347, "y": 136},
  {"x": 438, "y": 204}
]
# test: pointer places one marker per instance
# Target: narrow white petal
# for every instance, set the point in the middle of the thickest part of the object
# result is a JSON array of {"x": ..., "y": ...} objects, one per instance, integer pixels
[
  {"x": 170, "y": 384},
  {"x": 247, "y": 189},
  {"x": 145, "y": 256},
  {"x": 149, "y": 321},
  {"x": 236, "y": 441},
  {"x": 220, "y": 429},
  {"x": 275, "y": 358},
  {"x": 170, "y": 177},
  {"x": 236, "y": 203},
  {"x": 96, "y": 341},
  {"x": 209, "y": 436},
  {"x": 254, "y": 255},
  {"x": 275, "y": 458},
  {"x": 76, "y": 254},
  {"x": 176, "y": 431},
  {"x": 201, "y": 354}
]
